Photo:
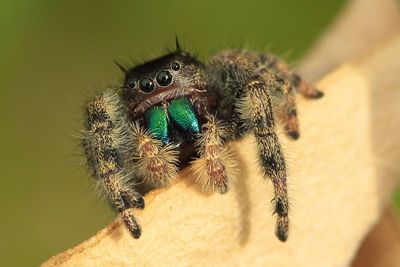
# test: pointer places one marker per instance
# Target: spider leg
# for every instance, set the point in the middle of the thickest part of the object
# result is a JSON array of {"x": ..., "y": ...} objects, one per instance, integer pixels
[
  {"x": 285, "y": 94},
  {"x": 255, "y": 109},
  {"x": 304, "y": 87},
  {"x": 257, "y": 85},
  {"x": 155, "y": 163},
  {"x": 215, "y": 166},
  {"x": 103, "y": 143},
  {"x": 280, "y": 68}
]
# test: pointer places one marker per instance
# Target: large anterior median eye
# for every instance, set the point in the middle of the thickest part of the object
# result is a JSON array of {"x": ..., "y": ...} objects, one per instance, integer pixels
[
  {"x": 164, "y": 78},
  {"x": 147, "y": 85}
]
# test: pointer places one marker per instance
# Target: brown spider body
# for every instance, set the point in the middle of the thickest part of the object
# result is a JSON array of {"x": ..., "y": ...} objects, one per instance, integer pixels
[{"x": 174, "y": 103}]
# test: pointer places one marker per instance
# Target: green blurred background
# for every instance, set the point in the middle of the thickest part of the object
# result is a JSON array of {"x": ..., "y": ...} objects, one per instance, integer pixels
[{"x": 54, "y": 54}]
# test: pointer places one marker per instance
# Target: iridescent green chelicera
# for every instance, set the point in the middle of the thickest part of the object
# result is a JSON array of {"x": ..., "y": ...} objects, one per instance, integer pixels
[
  {"x": 157, "y": 123},
  {"x": 179, "y": 112}
]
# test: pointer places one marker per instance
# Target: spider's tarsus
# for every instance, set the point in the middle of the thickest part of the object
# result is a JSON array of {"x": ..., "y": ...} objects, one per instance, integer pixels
[
  {"x": 281, "y": 233},
  {"x": 282, "y": 223},
  {"x": 136, "y": 233},
  {"x": 223, "y": 189},
  {"x": 318, "y": 94},
  {"x": 139, "y": 203},
  {"x": 294, "y": 134},
  {"x": 131, "y": 223}
]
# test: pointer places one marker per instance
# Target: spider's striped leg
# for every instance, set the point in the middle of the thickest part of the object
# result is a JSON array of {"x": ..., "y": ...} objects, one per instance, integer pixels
[
  {"x": 286, "y": 97},
  {"x": 255, "y": 110},
  {"x": 281, "y": 69},
  {"x": 215, "y": 167},
  {"x": 154, "y": 162},
  {"x": 104, "y": 141},
  {"x": 304, "y": 87}
]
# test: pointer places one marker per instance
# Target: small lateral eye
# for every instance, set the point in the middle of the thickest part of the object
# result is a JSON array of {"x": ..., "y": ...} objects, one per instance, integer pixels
[
  {"x": 131, "y": 83},
  {"x": 147, "y": 85},
  {"x": 164, "y": 78},
  {"x": 175, "y": 66}
]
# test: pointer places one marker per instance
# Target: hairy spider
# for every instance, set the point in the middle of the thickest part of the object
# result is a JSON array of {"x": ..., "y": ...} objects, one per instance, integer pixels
[{"x": 176, "y": 105}]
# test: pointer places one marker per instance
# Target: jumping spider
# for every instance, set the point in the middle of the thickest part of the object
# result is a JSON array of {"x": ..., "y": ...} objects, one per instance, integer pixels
[{"x": 135, "y": 133}]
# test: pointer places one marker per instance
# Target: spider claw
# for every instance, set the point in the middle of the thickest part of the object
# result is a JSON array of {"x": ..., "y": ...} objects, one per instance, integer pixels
[
  {"x": 316, "y": 94},
  {"x": 136, "y": 233},
  {"x": 281, "y": 234},
  {"x": 223, "y": 189},
  {"x": 139, "y": 203},
  {"x": 294, "y": 134},
  {"x": 282, "y": 228}
]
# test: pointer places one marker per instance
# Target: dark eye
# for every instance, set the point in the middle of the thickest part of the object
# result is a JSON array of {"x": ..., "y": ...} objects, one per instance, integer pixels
[
  {"x": 131, "y": 83},
  {"x": 147, "y": 85},
  {"x": 175, "y": 66},
  {"x": 164, "y": 78}
]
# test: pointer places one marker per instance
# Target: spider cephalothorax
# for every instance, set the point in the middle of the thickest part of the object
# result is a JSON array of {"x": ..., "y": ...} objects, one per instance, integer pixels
[
  {"x": 168, "y": 95},
  {"x": 139, "y": 131}
]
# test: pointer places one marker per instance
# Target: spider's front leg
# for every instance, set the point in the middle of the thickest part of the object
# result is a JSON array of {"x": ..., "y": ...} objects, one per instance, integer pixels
[
  {"x": 215, "y": 167},
  {"x": 155, "y": 163},
  {"x": 105, "y": 141},
  {"x": 255, "y": 110}
]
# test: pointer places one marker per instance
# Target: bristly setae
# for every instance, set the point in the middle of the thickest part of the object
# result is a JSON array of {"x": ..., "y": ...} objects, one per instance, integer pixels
[{"x": 166, "y": 107}]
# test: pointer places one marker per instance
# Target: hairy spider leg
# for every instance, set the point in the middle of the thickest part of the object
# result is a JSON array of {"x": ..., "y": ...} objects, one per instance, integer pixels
[
  {"x": 282, "y": 91},
  {"x": 103, "y": 142},
  {"x": 215, "y": 165},
  {"x": 281, "y": 69},
  {"x": 285, "y": 95},
  {"x": 255, "y": 109},
  {"x": 155, "y": 162}
]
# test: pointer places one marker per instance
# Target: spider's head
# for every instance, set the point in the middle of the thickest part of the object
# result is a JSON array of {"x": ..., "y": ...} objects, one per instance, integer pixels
[{"x": 163, "y": 79}]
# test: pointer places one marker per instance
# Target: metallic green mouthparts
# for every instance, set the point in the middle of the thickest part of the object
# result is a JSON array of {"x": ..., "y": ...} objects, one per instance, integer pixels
[{"x": 180, "y": 112}]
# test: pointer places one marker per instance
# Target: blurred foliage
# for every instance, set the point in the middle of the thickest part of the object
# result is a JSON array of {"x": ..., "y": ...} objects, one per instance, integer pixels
[{"x": 54, "y": 54}]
